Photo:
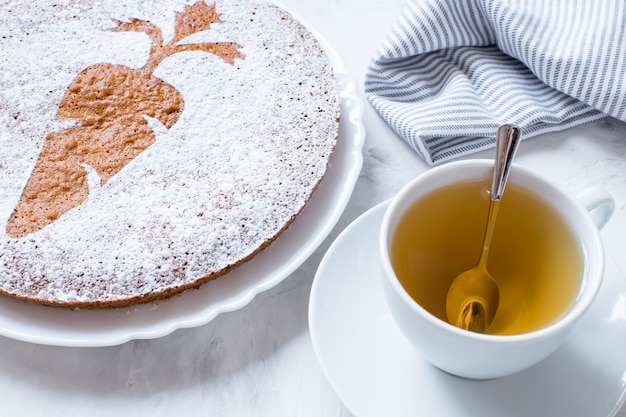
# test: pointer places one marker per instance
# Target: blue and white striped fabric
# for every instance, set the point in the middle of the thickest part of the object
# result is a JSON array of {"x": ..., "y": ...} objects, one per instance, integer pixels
[{"x": 451, "y": 71}]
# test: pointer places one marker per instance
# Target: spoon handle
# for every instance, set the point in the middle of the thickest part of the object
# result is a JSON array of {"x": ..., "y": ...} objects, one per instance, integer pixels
[{"x": 507, "y": 141}]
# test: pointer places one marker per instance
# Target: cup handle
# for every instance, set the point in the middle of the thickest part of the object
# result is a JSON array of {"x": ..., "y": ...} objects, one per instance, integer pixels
[{"x": 598, "y": 203}]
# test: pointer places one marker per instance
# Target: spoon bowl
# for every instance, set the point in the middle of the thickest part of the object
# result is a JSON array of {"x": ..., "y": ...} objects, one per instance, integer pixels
[
  {"x": 473, "y": 300},
  {"x": 473, "y": 297}
]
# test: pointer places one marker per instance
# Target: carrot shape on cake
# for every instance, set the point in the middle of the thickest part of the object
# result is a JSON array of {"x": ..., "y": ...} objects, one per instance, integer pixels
[{"x": 109, "y": 104}]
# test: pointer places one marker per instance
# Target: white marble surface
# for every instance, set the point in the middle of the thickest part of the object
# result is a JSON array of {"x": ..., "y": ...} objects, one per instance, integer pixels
[{"x": 259, "y": 361}]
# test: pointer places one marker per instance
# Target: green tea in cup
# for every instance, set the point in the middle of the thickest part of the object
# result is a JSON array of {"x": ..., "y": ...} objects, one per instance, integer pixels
[
  {"x": 535, "y": 256},
  {"x": 546, "y": 256}
]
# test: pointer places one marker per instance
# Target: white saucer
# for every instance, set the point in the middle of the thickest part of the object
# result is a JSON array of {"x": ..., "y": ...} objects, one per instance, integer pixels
[{"x": 375, "y": 372}]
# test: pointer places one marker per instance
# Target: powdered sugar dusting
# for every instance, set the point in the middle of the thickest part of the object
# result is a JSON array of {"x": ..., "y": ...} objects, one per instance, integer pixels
[{"x": 250, "y": 147}]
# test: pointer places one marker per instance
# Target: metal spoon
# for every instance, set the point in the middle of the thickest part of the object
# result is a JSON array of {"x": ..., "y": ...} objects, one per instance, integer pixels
[{"x": 473, "y": 297}]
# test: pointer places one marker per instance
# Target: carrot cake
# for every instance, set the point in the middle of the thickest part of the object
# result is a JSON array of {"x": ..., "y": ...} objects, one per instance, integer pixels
[{"x": 147, "y": 148}]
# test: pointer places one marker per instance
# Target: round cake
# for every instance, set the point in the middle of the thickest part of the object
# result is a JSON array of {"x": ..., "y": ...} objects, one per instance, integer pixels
[{"x": 147, "y": 148}]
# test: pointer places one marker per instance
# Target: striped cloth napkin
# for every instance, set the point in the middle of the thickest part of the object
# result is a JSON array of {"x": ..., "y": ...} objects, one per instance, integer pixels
[{"x": 450, "y": 72}]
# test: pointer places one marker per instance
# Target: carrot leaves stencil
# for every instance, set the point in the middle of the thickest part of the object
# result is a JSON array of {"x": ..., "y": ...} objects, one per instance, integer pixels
[{"x": 109, "y": 104}]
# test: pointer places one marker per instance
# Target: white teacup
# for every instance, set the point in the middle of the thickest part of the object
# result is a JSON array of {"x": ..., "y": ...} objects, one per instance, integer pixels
[{"x": 482, "y": 356}]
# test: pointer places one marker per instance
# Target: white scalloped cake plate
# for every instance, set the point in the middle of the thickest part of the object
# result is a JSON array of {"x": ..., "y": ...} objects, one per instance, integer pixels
[
  {"x": 62, "y": 327},
  {"x": 375, "y": 372}
]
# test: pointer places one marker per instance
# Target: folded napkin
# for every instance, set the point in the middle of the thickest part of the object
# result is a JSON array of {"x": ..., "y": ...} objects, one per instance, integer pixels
[{"x": 450, "y": 72}]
